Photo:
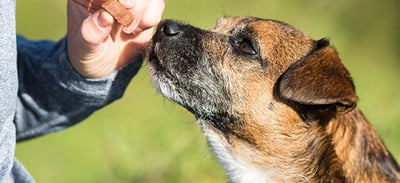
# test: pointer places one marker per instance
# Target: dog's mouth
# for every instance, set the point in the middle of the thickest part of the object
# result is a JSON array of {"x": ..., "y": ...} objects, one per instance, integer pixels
[
  {"x": 180, "y": 70},
  {"x": 151, "y": 52}
]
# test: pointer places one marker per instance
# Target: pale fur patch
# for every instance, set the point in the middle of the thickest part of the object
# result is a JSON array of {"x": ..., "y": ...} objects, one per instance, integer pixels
[{"x": 238, "y": 171}]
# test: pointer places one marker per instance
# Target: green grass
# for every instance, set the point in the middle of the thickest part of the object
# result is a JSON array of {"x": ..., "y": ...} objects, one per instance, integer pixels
[{"x": 145, "y": 138}]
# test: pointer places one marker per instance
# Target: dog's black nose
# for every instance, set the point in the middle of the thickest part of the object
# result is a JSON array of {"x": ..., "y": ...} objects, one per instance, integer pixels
[{"x": 170, "y": 28}]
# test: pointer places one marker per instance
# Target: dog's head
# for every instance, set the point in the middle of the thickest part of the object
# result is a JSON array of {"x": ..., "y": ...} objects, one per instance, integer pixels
[{"x": 256, "y": 86}]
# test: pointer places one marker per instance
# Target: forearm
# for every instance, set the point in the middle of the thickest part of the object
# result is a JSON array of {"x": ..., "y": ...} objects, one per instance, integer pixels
[{"x": 53, "y": 96}]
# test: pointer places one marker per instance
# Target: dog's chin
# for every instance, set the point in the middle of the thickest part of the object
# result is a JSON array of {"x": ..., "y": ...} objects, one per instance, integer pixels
[{"x": 163, "y": 84}]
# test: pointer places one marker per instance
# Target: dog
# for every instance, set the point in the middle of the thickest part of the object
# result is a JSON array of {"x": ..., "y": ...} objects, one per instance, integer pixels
[{"x": 274, "y": 104}]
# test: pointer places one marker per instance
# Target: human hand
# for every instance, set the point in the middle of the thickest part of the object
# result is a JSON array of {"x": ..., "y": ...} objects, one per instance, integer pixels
[{"x": 97, "y": 45}]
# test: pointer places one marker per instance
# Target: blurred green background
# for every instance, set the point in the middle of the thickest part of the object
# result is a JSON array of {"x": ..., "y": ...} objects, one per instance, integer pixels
[{"x": 145, "y": 138}]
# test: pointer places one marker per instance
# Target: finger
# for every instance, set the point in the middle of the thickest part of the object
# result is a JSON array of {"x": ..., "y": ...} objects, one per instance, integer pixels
[
  {"x": 137, "y": 11},
  {"x": 131, "y": 28},
  {"x": 153, "y": 14},
  {"x": 136, "y": 46},
  {"x": 97, "y": 27},
  {"x": 143, "y": 37}
]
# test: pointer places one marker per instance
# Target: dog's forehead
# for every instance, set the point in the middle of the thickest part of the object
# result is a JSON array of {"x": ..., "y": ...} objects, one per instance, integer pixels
[{"x": 226, "y": 24}]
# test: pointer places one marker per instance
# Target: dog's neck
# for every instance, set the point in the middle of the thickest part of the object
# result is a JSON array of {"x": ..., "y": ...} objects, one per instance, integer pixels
[
  {"x": 360, "y": 151},
  {"x": 345, "y": 149}
]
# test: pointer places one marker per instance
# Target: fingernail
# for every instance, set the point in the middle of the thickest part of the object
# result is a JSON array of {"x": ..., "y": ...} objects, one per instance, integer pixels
[
  {"x": 104, "y": 19},
  {"x": 128, "y": 3},
  {"x": 131, "y": 27}
]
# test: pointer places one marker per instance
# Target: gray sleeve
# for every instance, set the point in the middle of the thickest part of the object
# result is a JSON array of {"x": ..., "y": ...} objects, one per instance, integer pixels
[{"x": 52, "y": 95}]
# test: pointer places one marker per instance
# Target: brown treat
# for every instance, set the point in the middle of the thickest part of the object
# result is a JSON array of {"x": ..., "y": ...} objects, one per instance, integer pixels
[{"x": 118, "y": 11}]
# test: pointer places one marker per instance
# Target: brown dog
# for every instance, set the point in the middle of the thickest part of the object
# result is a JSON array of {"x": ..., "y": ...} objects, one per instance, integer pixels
[{"x": 274, "y": 104}]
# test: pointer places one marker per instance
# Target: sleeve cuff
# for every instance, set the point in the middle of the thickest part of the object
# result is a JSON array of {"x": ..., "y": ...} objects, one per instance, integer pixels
[{"x": 99, "y": 91}]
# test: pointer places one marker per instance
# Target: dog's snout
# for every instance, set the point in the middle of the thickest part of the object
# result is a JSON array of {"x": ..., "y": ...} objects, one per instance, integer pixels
[{"x": 170, "y": 28}]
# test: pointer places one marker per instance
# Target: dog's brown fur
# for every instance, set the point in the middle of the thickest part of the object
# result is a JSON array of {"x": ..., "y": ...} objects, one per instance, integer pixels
[{"x": 274, "y": 104}]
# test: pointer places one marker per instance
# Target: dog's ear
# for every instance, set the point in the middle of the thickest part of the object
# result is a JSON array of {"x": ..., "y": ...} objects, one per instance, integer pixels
[{"x": 319, "y": 79}]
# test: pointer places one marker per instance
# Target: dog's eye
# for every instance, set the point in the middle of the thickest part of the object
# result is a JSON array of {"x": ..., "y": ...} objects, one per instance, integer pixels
[{"x": 246, "y": 47}]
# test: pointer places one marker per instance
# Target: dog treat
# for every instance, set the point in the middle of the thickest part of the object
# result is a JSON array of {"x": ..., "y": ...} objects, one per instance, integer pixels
[{"x": 118, "y": 11}]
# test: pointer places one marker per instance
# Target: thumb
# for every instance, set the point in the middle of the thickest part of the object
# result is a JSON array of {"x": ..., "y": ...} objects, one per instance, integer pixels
[{"x": 97, "y": 27}]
